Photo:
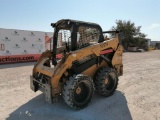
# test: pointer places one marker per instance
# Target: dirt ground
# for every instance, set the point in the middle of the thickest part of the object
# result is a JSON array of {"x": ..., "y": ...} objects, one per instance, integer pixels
[{"x": 137, "y": 96}]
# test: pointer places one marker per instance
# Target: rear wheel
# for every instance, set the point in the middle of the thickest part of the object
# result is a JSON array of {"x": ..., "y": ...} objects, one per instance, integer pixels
[
  {"x": 106, "y": 81},
  {"x": 78, "y": 91}
]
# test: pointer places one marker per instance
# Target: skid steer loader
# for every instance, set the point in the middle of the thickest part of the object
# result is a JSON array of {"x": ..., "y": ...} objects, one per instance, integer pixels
[{"x": 88, "y": 62}]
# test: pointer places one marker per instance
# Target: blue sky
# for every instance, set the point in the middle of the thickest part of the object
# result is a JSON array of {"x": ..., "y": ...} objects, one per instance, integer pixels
[{"x": 38, "y": 14}]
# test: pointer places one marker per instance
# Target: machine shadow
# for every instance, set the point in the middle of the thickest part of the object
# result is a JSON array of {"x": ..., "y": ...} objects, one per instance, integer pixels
[
  {"x": 100, "y": 108},
  {"x": 12, "y": 65}
]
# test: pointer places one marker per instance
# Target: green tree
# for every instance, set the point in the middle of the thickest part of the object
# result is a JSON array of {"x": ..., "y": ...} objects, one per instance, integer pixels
[{"x": 132, "y": 34}]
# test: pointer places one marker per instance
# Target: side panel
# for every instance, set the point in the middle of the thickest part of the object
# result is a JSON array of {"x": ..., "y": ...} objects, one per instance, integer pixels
[
  {"x": 117, "y": 60},
  {"x": 92, "y": 70}
]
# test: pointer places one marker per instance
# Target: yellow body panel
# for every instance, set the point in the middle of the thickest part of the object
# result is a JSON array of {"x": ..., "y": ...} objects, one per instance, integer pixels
[
  {"x": 94, "y": 69},
  {"x": 60, "y": 69}
]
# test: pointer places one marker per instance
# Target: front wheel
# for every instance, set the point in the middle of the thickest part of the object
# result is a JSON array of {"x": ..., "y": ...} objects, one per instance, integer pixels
[{"x": 78, "y": 91}]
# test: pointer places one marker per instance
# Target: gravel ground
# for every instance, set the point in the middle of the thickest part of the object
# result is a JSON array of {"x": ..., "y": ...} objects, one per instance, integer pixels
[{"x": 137, "y": 96}]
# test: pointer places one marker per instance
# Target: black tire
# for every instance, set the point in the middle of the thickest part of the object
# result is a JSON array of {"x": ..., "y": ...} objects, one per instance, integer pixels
[
  {"x": 78, "y": 91},
  {"x": 106, "y": 81}
]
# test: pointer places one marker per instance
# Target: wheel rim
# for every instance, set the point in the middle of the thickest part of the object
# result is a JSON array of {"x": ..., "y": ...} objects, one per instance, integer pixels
[
  {"x": 110, "y": 81},
  {"x": 81, "y": 93}
]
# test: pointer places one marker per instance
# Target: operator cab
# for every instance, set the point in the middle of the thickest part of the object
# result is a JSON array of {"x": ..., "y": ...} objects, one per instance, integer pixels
[{"x": 70, "y": 35}]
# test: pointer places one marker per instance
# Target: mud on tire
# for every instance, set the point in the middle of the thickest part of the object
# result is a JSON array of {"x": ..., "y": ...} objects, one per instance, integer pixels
[
  {"x": 78, "y": 91},
  {"x": 106, "y": 81}
]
